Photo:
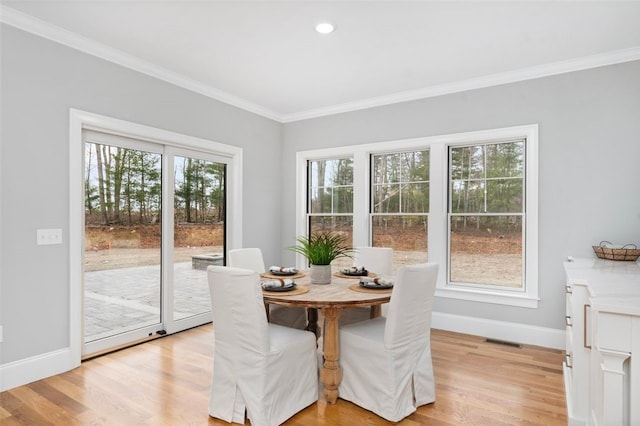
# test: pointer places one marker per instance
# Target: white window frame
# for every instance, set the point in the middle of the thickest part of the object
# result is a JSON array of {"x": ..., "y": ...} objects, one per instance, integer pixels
[{"x": 437, "y": 218}]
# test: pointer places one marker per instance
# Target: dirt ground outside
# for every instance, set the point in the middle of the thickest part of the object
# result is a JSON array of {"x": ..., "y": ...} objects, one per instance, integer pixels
[
  {"x": 115, "y": 258},
  {"x": 476, "y": 257}
]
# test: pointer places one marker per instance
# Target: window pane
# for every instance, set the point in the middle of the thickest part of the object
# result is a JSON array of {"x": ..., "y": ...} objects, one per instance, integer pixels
[
  {"x": 467, "y": 162},
  {"x": 415, "y": 166},
  {"x": 505, "y": 159},
  {"x": 386, "y": 168},
  {"x": 343, "y": 200},
  {"x": 467, "y": 196},
  {"x": 505, "y": 195},
  {"x": 486, "y": 250},
  {"x": 386, "y": 198},
  {"x": 415, "y": 197},
  {"x": 407, "y": 235},
  {"x": 320, "y": 200}
]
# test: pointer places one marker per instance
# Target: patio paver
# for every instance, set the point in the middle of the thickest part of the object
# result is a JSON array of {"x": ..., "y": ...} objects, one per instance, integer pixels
[{"x": 118, "y": 300}]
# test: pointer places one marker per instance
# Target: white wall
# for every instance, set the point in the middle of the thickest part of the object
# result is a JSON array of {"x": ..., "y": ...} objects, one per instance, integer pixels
[
  {"x": 589, "y": 141},
  {"x": 40, "y": 81}
]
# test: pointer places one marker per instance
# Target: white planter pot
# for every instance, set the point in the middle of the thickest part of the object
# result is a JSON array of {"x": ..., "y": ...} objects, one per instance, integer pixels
[{"x": 320, "y": 274}]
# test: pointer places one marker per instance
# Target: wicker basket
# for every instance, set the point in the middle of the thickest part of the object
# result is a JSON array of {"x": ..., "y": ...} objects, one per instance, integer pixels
[{"x": 627, "y": 252}]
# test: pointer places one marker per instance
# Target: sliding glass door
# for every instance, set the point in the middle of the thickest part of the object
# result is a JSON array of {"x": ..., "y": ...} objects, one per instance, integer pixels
[{"x": 154, "y": 220}]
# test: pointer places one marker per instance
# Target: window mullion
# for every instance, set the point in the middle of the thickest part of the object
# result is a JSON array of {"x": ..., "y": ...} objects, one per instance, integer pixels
[
  {"x": 438, "y": 202},
  {"x": 361, "y": 180}
]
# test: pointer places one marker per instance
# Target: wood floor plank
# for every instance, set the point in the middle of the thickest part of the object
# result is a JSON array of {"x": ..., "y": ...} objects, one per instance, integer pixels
[
  {"x": 3, "y": 413},
  {"x": 21, "y": 411},
  {"x": 38, "y": 403},
  {"x": 58, "y": 398},
  {"x": 166, "y": 382}
]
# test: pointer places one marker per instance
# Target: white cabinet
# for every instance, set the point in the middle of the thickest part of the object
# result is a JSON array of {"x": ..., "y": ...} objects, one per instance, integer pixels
[{"x": 603, "y": 335}]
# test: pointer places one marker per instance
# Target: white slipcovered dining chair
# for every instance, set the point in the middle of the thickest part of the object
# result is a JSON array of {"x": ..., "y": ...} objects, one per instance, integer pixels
[
  {"x": 251, "y": 258},
  {"x": 374, "y": 259},
  {"x": 267, "y": 369},
  {"x": 386, "y": 361}
]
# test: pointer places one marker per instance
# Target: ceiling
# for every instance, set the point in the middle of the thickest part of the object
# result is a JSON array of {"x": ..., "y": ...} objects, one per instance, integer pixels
[{"x": 266, "y": 57}]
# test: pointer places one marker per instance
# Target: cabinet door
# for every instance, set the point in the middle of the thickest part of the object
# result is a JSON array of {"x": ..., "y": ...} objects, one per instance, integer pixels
[
  {"x": 578, "y": 354},
  {"x": 610, "y": 368}
]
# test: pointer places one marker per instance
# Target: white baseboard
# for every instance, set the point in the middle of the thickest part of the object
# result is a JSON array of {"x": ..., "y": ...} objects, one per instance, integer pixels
[
  {"x": 501, "y": 330},
  {"x": 38, "y": 367}
]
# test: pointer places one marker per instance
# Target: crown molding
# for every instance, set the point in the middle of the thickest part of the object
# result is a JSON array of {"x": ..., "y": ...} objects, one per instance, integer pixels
[
  {"x": 43, "y": 29},
  {"x": 562, "y": 67},
  {"x": 46, "y": 30}
]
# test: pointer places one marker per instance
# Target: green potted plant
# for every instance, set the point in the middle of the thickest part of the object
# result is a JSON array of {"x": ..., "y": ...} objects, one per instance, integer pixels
[{"x": 320, "y": 249}]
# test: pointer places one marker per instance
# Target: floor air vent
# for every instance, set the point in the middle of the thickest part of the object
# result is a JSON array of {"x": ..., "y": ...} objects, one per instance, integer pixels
[{"x": 504, "y": 343}]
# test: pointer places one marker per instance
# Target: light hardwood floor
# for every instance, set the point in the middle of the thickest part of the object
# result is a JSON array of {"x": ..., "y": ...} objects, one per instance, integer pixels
[{"x": 166, "y": 382}]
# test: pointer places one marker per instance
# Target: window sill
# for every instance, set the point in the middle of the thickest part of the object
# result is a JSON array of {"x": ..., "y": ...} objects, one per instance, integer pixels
[{"x": 484, "y": 296}]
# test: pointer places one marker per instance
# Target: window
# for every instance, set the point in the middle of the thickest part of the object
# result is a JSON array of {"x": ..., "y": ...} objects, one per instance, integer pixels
[
  {"x": 400, "y": 204},
  {"x": 330, "y": 199},
  {"x": 466, "y": 201},
  {"x": 486, "y": 214}
]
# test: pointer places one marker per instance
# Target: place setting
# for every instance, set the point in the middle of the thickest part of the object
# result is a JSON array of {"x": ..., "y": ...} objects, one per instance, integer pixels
[
  {"x": 281, "y": 272},
  {"x": 354, "y": 272},
  {"x": 373, "y": 285},
  {"x": 282, "y": 287}
]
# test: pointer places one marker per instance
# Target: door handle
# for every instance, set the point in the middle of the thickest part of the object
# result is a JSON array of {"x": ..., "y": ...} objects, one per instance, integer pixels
[{"x": 585, "y": 308}]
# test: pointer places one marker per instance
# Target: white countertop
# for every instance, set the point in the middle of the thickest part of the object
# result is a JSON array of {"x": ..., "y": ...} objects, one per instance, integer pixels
[{"x": 617, "y": 280}]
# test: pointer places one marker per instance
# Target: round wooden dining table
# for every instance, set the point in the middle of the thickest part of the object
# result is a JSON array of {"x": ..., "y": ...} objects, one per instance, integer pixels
[{"x": 331, "y": 299}]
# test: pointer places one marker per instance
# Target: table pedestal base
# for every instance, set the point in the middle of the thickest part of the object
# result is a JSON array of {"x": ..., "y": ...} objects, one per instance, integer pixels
[{"x": 331, "y": 372}]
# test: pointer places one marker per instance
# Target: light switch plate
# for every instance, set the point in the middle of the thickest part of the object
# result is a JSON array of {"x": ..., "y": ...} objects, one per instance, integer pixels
[{"x": 49, "y": 236}]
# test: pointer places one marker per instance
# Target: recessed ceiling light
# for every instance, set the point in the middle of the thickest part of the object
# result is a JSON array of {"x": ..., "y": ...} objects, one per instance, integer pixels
[{"x": 325, "y": 28}]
